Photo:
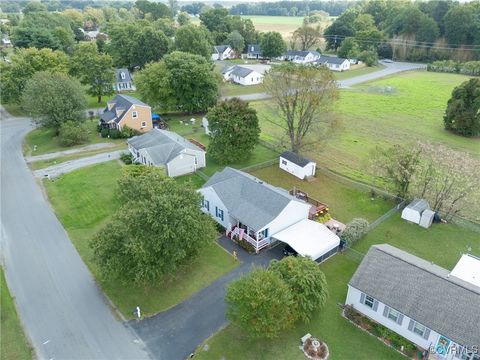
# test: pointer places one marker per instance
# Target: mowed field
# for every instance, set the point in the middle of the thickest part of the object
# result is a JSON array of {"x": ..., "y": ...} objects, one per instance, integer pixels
[{"x": 404, "y": 108}]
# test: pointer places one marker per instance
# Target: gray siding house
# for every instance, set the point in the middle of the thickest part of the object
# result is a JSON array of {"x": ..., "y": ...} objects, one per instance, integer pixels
[
  {"x": 420, "y": 301},
  {"x": 169, "y": 150},
  {"x": 123, "y": 80}
]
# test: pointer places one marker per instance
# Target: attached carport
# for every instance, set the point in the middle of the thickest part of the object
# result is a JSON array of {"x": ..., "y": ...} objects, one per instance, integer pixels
[{"x": 310, "y": 238}]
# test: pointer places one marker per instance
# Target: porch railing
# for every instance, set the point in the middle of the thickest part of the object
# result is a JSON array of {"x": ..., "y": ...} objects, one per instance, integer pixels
[{"x": 257, "y": 244}]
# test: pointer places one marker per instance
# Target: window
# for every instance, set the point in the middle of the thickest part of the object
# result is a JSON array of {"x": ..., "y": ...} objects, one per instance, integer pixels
[
  {"x": 263, "y": 234},
  {"x": 122, "y": 75},
  {"x": 393, "y": 314},
  {"x": 219, "y": 213},
  {"x": 206, "y": 204},
  {"x": 196, "y": 161},
  {"x": 134, "y": 114},
  {"x": 284, "y": 162},
  {"x": 369, "y": 301},
  {"x": 419, "y": 329},
  {"x": 144, "y": 124}
]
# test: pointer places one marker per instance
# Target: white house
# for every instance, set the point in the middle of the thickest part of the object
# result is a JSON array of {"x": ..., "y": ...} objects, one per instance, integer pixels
[
  {"x": 242, "y": 75},
  {"x": 261, "y": 214},
  {"x": 301, "y": 57},
  {"x": 420, "y": 301},
  {"x": 297, "y": 165},
  {"x": 334, "y": 63},
  {"x": 413, "y": 211},
  {"x": 167, "y": 149},
  {"x": 123, "y": 80},
  {"x": 222, "y": 52}
]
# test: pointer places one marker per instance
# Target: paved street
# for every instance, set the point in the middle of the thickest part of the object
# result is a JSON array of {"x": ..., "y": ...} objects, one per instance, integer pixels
[
  {"x": 63, "y": 311},
  {"x": 176, "y": 333},
  {"x": 67, "y": 166}
]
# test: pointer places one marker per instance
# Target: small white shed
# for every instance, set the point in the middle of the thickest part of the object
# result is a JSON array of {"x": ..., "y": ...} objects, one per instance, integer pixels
[
  {"x": 297, "y": 165},
  {"x": 413, "y": 211},
  {"x": 427, "y": 218}
]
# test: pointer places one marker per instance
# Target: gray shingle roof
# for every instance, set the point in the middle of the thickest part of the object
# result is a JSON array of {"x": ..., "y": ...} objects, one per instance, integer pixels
[
  {"x": 418, "y": 205},
  {"x": 295, "y": 158},
  {"x": 219, "y": 49},
  {"x": 241, "y": 71},
  {"x": 331, "y": 60},
  {"x": 422, "y": 291},
  {"x": 118, "y": 75},
  {"x": 248, "y": 199},
  {"x": 254, "y": 49},
  {"x": 162, "y": 145},
  {"x": 301, "y": 53},
  {"x": 120, "y": 102}
]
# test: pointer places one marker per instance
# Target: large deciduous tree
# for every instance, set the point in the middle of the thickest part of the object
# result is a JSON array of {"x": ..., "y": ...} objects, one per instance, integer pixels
[
  {"x": 235, "y": 131},
  {"x": 153, "y": 10},
  {"x": 306, "y": 282},
  {"x": 303, "y": 95},
  {"x": 25, "y": 63},
  {"x": 195, "y": 40},
  {"x": 181, "y": 81},
  {"x": 307, "y": 36},
  {"x": 235, "y": 40},
  {"x": 93, "y": 69},
  {"x": 462, "y": 115},
  {"x": 54, "y": 98},
  {"x": 272, "y": 44},
  {"x": 260, "y": 303},
  {"x": 153, "y": 232}
]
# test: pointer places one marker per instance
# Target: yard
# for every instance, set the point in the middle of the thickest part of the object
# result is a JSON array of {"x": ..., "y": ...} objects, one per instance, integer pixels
[
  {"x": 232, "y": 89},
  {"x": 84, "y": 200},
  {"x": 13, "y": 343},
  {"x": 47, "y": 142},
  {"x": 356, "y": 70},
  {"x": 381, "y": 113}
]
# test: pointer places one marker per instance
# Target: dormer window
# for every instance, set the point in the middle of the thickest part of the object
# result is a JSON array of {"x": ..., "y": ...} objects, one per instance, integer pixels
[{"x": 122, "y": 75}]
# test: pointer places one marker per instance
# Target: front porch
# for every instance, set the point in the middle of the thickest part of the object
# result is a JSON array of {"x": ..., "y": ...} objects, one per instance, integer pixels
[{"x": 243, "y": 232}]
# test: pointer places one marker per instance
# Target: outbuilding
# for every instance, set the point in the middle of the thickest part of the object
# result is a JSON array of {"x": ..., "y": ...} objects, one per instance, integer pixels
[
  {"x": 310, "y": 238},
  {"x": 413, "y": 211},
  {"x": 297, "y": 165}
]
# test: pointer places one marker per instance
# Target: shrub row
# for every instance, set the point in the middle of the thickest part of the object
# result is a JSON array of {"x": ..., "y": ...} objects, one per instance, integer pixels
[{"x": 449, "y": 66}]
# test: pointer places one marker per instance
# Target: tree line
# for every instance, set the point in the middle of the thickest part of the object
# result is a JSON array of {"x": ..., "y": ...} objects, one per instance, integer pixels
[{"x": 414, "y": 31}]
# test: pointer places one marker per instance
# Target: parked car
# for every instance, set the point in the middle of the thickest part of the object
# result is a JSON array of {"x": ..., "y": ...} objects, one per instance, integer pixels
[{"x": 289, "y": 251}]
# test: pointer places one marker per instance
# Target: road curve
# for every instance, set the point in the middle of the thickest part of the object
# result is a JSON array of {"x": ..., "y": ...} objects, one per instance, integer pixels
[{"x": 61, "y": 308}]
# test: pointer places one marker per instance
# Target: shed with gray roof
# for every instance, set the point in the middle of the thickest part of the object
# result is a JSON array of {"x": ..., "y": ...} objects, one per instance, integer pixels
[
  {"x": 297, "y": 165},
  {"x": 430, "y": 306},
  {"x": 167, "y": 149}
]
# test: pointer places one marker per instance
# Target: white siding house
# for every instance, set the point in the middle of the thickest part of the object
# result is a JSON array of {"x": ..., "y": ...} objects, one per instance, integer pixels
[
  {"x": 243, "y": 76},
  {"x": 222, "y": 52},
  {"x": 166, "y": 149},
  {"x": 418, "y": 300},
  {"x": 301, "y": 57},
  {"x": 297, "y": 165}
]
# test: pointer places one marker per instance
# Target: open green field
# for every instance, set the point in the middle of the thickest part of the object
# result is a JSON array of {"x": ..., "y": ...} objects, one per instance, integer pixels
[
  {"x": 13, "y": 343},
  {"x": 370, "y": 116},
  {"x": 47, "y": 142},
  {"x": 84, "y": 200}
]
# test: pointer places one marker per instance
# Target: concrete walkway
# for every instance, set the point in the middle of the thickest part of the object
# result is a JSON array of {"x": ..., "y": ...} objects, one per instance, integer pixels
[
  {"x": 175, "y": 334},
  {"x": 68, "y": 166},
  {"x": 91, "y": 147}
]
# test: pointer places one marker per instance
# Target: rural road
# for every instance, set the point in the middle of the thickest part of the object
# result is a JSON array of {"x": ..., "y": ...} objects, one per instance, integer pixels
[
  {"x": 67, "y": 166},
  {"x": 390, "y": 69},
  {"x": 64, "y": 313},
  {"x": 91, "y": 147}
]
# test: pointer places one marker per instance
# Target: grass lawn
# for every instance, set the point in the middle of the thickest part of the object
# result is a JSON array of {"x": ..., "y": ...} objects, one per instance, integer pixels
[
  {"x": 356, "y": 70},
  {"x": 47, "y": 142},
  {"x": 41, "y": 164},
  {"x": 13, "y": 343},
  {"x": 370, "y": 117},
  {"x": 345, "y": 202},
  {"x": 232, "y": 89},
  {"x": 84, "y": 200}
]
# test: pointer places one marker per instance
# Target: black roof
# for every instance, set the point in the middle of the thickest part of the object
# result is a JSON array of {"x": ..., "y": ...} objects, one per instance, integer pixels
[
  {"x": 254, "y": 49},
  {"x": 295, "y": 158}
]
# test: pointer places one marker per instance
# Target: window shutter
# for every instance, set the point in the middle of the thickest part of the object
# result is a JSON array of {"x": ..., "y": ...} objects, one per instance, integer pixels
[
  {"x": 385, "y": 310},
  {"x": 426, "y": 334},
  {"x": 375, "y": 305},
  {"x": 362, "y": 298},
  {"x": 400, "y": 319},
  {"x": 410, "y": 324},
  {"x": 216, "y": 211}
]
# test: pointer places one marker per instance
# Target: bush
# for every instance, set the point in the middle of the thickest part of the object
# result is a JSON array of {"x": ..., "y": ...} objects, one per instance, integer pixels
[
  {"x": 72, "y": 133},
  {"x": 104, "y": 133},
  {"x": 127, "y": 158},
  {"x": 129, "y": 132},
  {"x": 115, "y": 134},
  {"x": 244, "y": 244},
  {"x": 354, "y": 231},
  {"x": 369, "y": 57}
]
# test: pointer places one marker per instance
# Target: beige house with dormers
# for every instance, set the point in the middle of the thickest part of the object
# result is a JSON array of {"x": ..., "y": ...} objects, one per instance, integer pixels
[{"x": 127, "y": 111}]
